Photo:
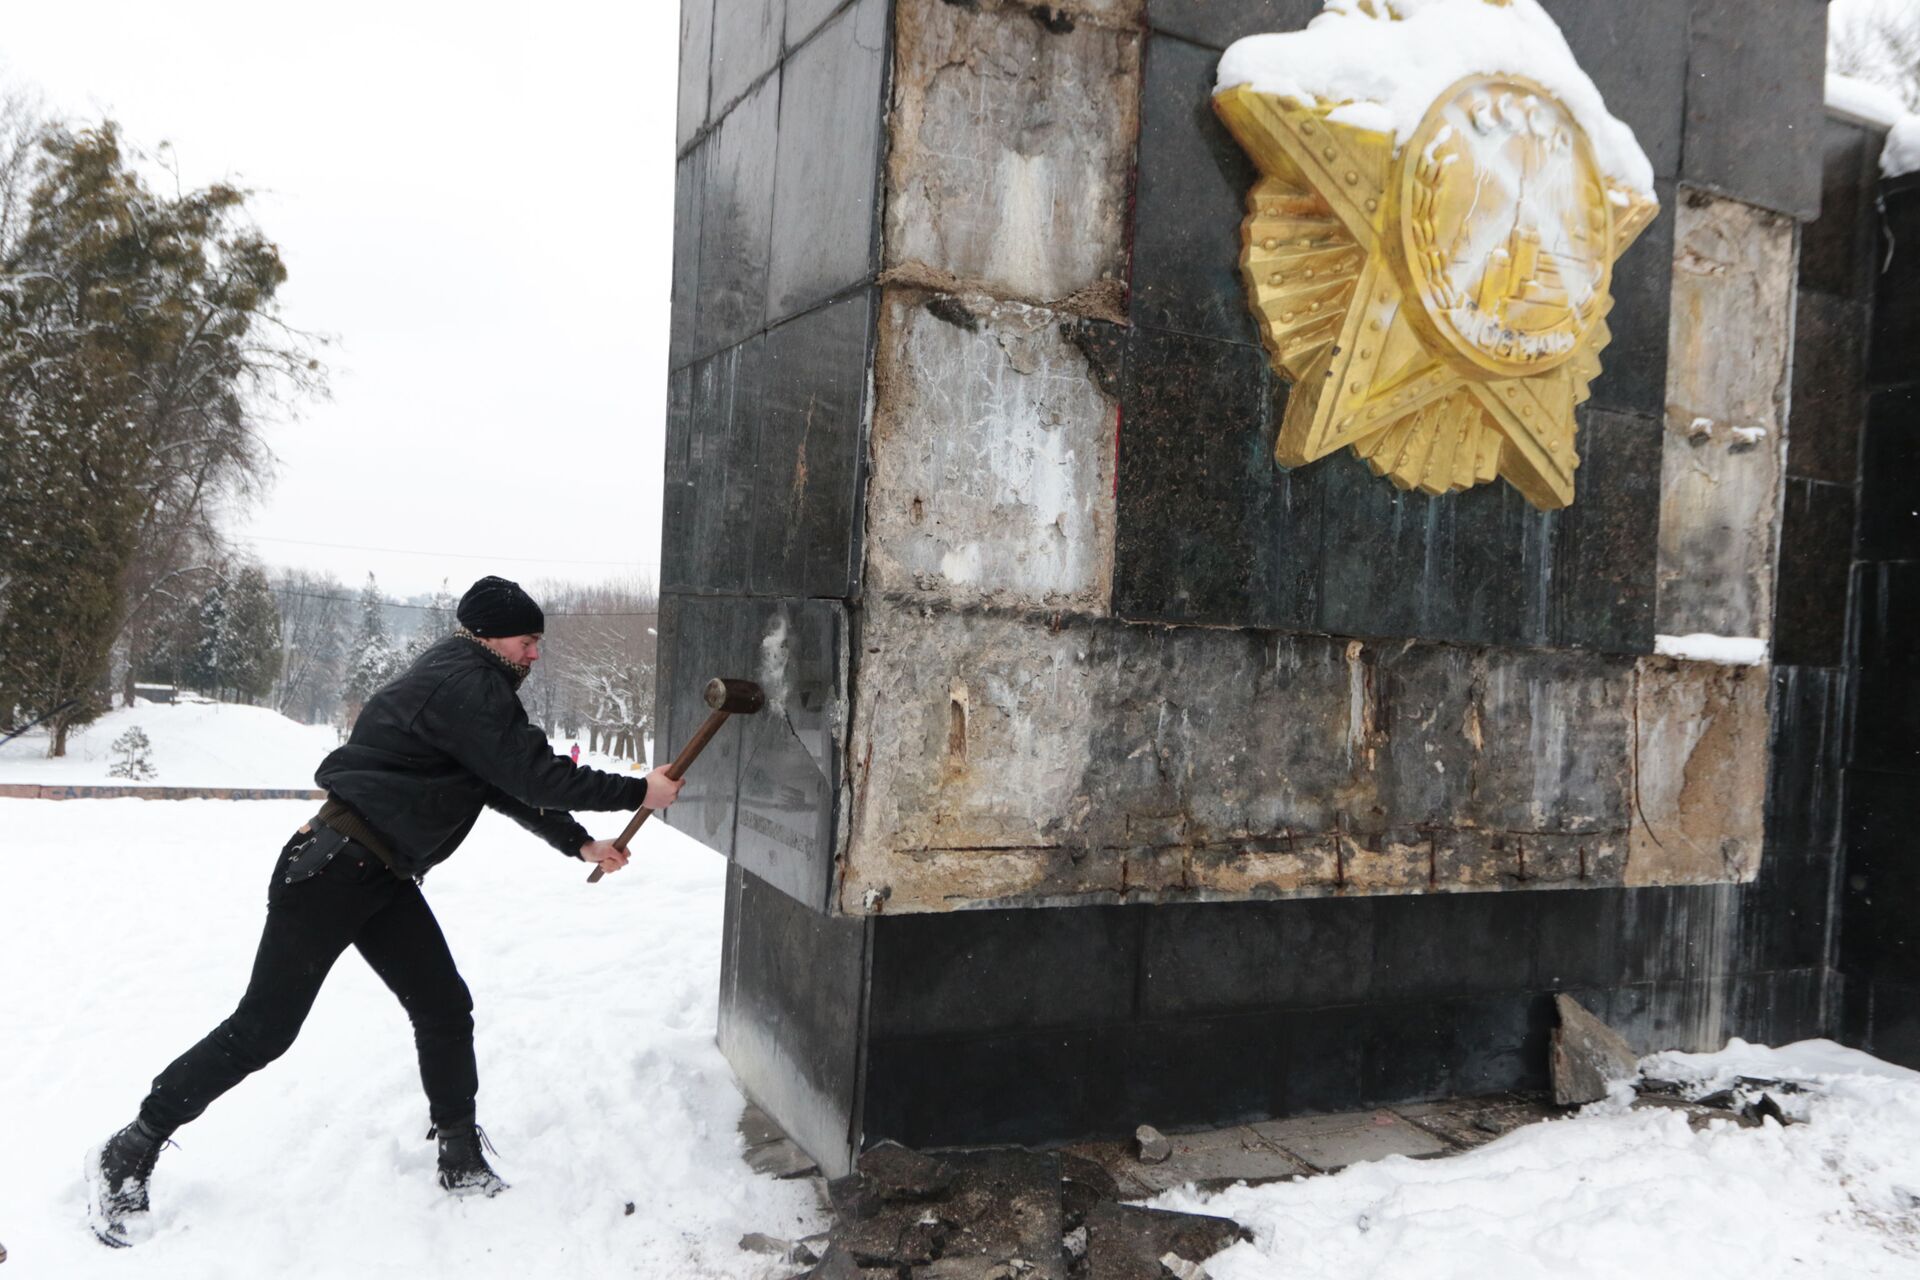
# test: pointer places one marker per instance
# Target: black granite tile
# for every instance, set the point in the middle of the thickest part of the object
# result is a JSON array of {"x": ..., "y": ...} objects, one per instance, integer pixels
[
  {"x": 1373, "y": 541},
  {"x": 1326, "y": 1051},
  {"x": 1633, "y": 377},
  {"x": 1808, "y": 752},
  {"x": 805, "y": 16},
  {"x": 1194, "y": 468},
  {"x": 746, "y": 44},
  {"x": 721, "y": 467},
  {"x": 1886, "y": 603},
  {"x": 1829, "y": 388},
  {"x": 1190, "y": 196},
  {"x": 1756, "y": 107},
  {"x": 1777, "y": 1008},
  {"x": 702, "y": 637},
  {"x": 1026, "y": 1087},
  {"x": 1784, "y": 913},
  {"x": 970, "y": 973},
  {"x": 1584, "y": 937},
  {"x": 1893, "y": 1029},
  {"x": 1452, "y": 944},
  {"x": 1637, "y": 56},
  {"x": 688, "y": 179},
  {"x": 1407, "y": 1053},
  {"x": 825, "y": 195},
  {"x": 1499, "y": 1044},
  {"x": 1881, "y": 889},
  {"x": 1893, "y": 351},
  {"x": 1481, "y": 579},
  {"x": 1207, "y": 1073},
  {"x": 678, "y": 491},
  {"x": 736, "y": 218},
  {"x": 1890, "y": 477},
  {"x": 806, "y": 524},
  {"x": 1854, "y": 996},
  {"x": 1220, "y": 957},
  {"x": 1837, "y": 249},
  {"x": 696, "y": 59},
  {"x": 1810, "y": 597},
  {"x": 1886, "y": 721},
  {"x": 1607, "y": 543},
  {"x": 1218, "y": 23},
  {"x": 793, "y": 979},
  {"x": 791, "y": 751}
]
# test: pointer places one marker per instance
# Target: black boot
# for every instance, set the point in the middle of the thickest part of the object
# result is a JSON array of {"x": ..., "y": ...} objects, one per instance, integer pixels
[
  {"x": 463, "y": 1169},
  {"x": 117, "y": 1174}
]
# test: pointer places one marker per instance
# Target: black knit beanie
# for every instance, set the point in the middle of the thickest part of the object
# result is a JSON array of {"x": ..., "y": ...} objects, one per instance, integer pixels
[{"x": 495, "y": 607}]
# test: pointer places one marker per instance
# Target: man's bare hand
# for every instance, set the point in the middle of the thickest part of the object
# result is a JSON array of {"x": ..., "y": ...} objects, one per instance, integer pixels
[
  {"x": 661, "y": 790},
  {"x": 604, "y": 853}
]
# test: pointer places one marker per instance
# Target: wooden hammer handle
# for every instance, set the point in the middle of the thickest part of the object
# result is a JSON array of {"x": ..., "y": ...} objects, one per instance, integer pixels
[{"x": 688, "y": 753}]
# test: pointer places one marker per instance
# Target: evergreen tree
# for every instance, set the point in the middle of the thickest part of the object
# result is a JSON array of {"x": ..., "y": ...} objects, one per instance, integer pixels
[
  {"x": 372, "y": 661},
  {"x": 137, "y": 335},
  {"x": 249, "y": 644}
]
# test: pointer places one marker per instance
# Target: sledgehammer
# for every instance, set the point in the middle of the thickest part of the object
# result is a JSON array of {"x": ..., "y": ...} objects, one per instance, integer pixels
[{"x": 727, "y": 698}]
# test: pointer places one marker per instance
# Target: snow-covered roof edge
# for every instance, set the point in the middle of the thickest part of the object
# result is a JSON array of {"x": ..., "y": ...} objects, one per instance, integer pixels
[{"x": 1384, "y": 64}]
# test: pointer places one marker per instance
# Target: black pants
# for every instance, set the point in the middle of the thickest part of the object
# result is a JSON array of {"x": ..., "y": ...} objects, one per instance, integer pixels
[{"x": 354, "y": 900}]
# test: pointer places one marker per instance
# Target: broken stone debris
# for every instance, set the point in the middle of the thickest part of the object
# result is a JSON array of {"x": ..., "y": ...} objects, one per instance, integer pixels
[
  {"x": 1587, "y": 1056},
  {"x": 1126, "y": 1242},
  {"x": 1151, "y": 1145}
]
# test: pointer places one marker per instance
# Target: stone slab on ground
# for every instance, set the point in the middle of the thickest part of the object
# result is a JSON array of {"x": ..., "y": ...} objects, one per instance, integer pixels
[
  {"x": 1474, "y": 1122},
  {"x": 1216, "y": 1157},
  {"x": 769, "y": 1150},
  {"x": 1330, "y": 1143},
  {"x": 1587, "y": 1055},
  {"x": 1125, "y": 1242}
]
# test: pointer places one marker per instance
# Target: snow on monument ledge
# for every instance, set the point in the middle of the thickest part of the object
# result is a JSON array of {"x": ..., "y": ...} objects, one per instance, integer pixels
[{"x": 1386, "y": 61}]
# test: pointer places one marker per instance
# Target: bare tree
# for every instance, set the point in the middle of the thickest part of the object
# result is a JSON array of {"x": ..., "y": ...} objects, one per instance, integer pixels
[{"x": 1878, "y": 43}]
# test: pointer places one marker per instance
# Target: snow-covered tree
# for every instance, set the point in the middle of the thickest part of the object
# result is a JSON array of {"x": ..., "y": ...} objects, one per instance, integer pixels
[{"x": 372, "y": 659}]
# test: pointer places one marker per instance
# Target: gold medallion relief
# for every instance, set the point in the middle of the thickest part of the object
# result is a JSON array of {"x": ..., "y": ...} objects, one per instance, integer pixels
[{"x": 1440, "y": 308}]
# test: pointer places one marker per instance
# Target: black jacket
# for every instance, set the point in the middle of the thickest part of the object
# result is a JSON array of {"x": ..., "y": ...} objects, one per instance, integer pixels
[{"x": 447, "y": 736}]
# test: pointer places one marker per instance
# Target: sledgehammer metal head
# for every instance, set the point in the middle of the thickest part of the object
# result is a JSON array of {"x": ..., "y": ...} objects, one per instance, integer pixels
[
  {"x": 727, "y": 698},
  {"x": 735, "y": 697}
]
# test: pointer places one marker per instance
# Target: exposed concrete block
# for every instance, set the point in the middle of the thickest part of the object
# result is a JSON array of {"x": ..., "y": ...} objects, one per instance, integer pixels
[
  {"x": 993, "y": 458},
  {"x": 1013, "y": 133},
  {"x": 1727, "y": 369},
  {"x": 1700, "y": 772},
  {"x": 1022, "y": 758}
]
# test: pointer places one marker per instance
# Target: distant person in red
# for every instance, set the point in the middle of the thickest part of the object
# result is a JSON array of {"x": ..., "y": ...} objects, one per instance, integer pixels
[
  {"x": 443, "y": 740},
  {"x": 575, "y": 753}
]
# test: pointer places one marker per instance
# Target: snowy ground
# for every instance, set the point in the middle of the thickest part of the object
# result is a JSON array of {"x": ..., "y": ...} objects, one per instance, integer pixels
[
  {"x": 1615, "y": 1192},
  {"x": 195, "y": 744},
  {"x": 126, "y": 930}
]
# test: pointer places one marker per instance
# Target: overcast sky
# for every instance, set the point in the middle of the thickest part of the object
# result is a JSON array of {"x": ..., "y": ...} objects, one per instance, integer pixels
[{"x": 476, "y": 200}]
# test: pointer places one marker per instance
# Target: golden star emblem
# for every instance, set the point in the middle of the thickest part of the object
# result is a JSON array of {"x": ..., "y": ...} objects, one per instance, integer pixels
[{"x": 1442, "y": 308}]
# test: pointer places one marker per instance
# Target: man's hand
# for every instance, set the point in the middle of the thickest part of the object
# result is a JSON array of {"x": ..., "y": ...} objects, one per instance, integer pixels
[
  {"x": 604, "y": 853},
  {"x": 661, "y": 790}
]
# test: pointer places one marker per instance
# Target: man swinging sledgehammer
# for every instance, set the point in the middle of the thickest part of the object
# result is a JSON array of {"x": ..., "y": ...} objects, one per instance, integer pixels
[{"x": 429, "y": 750}]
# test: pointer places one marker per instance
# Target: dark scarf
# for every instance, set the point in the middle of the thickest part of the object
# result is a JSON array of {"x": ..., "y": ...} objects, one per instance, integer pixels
[{"x": 516, "y": 671}]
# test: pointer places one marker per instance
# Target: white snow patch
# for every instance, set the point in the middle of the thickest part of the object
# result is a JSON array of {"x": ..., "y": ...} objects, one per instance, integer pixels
[
  {"x": 194, "y": 744},
  {"x": 1805, "y": 1061},
  {"x": 1736, "y": 651},
  {"x": 1385, "y": 72},
  {"x": 1864, "y": 100},
  {"x": 1612, "y": 1192},
  {"x": 1749, "y": 435},
  {"x": 126, "y": 932},
  {"x": 1902, "y": 152}
]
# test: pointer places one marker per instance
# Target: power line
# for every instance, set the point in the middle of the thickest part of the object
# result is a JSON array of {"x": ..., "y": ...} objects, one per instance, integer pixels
[
  {"x": 395, "y": 604},
  {"x": 452, "y": 555}
]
